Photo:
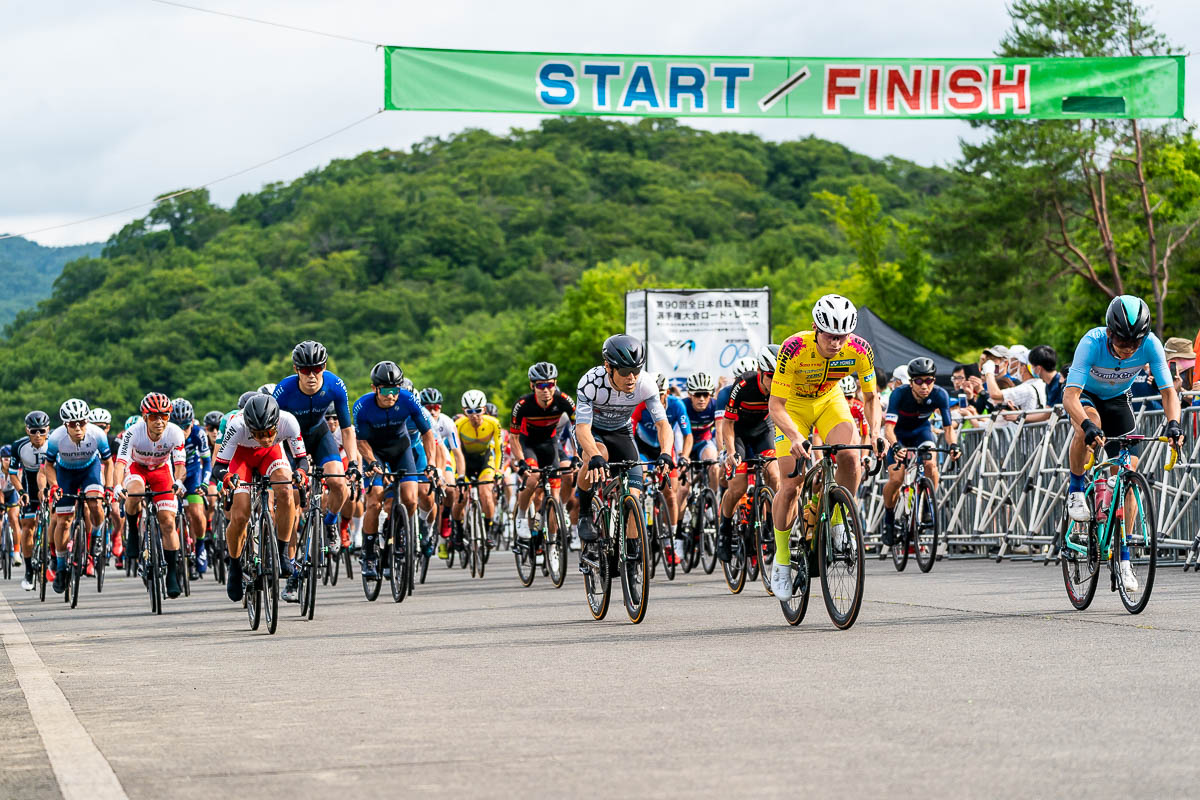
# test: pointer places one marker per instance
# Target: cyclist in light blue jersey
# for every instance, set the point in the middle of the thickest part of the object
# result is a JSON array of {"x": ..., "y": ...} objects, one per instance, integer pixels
[{"x": 1096, "y": 396}]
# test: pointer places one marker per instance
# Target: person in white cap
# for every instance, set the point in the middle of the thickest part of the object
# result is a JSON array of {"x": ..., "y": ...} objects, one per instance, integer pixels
[{"x": 1027, "y": 395}]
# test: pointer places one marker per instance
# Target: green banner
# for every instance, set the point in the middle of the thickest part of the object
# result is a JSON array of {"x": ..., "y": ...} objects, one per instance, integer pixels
[{"x": 421, "y": 79}]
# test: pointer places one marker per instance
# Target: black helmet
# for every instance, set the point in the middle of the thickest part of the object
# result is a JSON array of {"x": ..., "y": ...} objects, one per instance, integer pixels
[
  {"x": 623, "y": 350},
  {"x": 261, "y": 412},
  {"x": 212, "y": 419},
  {"x": 1127, "y": 319},
  {"x": 921, "y": 367},
  {"x": 543, "y": 371},
  {"x": 386, "y": 373},
  {"x": 245, "y": 398},
  {"x": 37, "y": 419},
  {"x": 309, "y": 354},
  {"x": 331, "y": 411},
  {"x": 490, "y": 408},
  {"x": 431, "y": 397},
  {"x": 182, "y": 412}
]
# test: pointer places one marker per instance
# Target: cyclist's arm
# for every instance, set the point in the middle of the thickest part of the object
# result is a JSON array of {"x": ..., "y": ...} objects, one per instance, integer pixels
[
  {"x": 1170, "y": 403},
  {"x": 777, "y": 408},
  {"x": 1073, "y": 405},
  {"x": 365, "y": 451},
  {"x": 587, "y": 444},
  {"x": 873, "y": 411},
  {"x": 666, "y": 436},
  {"x": 49, "y": 474},
  {"x": 430, "y": 443}
]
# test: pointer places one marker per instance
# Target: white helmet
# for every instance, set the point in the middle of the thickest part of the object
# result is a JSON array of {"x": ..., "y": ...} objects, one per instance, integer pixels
[
  {"x": 99, "y": 416},
  {"x": 901, "y": 374},
  {"x": 835, "y": 315},
  {"x": 659, "y": 379},
  {"x": 267, "y": 388},
  {"x": 744, "y": 365},
  {"x": 73, "y": 410},
  {"x": 473, "y": 400},
  {"x": 701, "y": 382},
  {"x": 848, "y": 385},
  {"x": 766, "y": 357}
]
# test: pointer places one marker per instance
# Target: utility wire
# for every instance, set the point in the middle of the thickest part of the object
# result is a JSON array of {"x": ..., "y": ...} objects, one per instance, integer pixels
[
  {"x": 180, "y": 193},
  {"x": 267, "y": 22}
]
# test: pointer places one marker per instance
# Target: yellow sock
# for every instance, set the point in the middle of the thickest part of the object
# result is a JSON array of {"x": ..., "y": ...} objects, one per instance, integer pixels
[
  {"x": 783, "y": 553},
  {"x": 837, "y": 514}
]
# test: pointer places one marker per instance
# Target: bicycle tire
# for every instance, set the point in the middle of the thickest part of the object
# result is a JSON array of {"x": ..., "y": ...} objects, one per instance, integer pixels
[
  {"x": 6, "y": 546},
  {"x": 737, "y": 567},
  {"x": 526, "y": 558},
  {"x": 635, "y": 574},
  {"x": 903, "y": 530},
  {"x": 311, "y": 570},
  {"x": 100, "y": 560},
  {"x": 1081, "y": 571},
  {"x": 555, "y": 543},
  {"x": 349, "y": 567},
  {"x": 795, "y": 607},
  {"x": 251, "y": 576},
  {"x": 269, "y": 553},
  {"x": 79, "y": 557},
  {"x": 851, "y": 558},
  {"x": 410, "y": 566},
  {"x": 43, "y": 553},
  {"x": 597, "y": 581},
  {"x": 185, "y": 552},
  {"x": 708, "y": 521},
  {"x": 925, "y": 525},
  {"x": 153, "y": 562},
  {"x": 401, "y": 556},
  {"x": 1146, "y": 549},
  {"x": 765, "y": 534},
  {"x": 481, "y": 543},
  {"x": 304, "y": 558}
]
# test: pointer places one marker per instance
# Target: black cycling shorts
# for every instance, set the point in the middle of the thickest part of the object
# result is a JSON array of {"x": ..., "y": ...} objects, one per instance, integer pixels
[
  {"x": 621, "y": 447},
  {"x": 547, "y": 454},
  {"x": 1116, "y": 418},
  {"x": 758, "y": 442}
]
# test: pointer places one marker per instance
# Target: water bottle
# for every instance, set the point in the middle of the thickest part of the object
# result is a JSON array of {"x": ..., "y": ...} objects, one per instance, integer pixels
[{"x": 1104, "y": 493}]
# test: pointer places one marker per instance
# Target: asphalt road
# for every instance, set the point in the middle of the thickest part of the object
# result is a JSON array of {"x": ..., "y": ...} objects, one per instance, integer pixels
[{"x": 976, "y": 680}]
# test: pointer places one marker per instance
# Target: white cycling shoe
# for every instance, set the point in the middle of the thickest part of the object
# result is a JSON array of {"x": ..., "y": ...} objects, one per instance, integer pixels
[
  {"x": 781, "y": 581},
  {"x": 1128, "y": 579},
  {"x": 1077, "y": 507},
  {"x": 522, "y": 527},
  {"x": 26, "y": 585}
]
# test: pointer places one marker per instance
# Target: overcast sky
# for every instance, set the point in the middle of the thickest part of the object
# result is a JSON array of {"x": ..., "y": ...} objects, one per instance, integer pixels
[{"x": 106, "y": 105}]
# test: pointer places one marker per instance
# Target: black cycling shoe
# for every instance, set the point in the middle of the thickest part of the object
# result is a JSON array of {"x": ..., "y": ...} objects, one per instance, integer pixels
[
  {"x": 633, "y": 549},
  {"x": 724, "y": 535},
  {"x": 233, "y": 581},
  {"x": 291, "y": 592},
  {"x": 173, "y": 587},
  {"x": 587, "y": 532},
  {"x": 369, "y": 569},
  {"x": 60, "y": 580},
  {"x": 888, "y": 537}
]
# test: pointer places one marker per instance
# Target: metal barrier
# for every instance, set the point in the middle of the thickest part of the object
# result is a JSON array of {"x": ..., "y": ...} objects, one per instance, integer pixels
[{"x": 1006, "y": 496}]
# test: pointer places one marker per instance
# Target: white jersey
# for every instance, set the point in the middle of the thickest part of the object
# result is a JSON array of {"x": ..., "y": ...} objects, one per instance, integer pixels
[
  {"x": 138, "y": 447},
  {"x": 600, "y": 405},
  {"x": 237, "y": 434},
  {"x": 445, "y": 431},
  {"x": 61, "y": 451}
]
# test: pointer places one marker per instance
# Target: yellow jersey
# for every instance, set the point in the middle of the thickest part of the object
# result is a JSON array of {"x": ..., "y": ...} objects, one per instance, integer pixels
[
  {"x": 484, "y": 440},
  {"x": 802, "y": 372}
]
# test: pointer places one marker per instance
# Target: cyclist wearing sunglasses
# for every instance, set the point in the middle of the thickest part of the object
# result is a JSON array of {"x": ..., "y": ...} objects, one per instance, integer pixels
[
  {"x": 702, "y": 417},
  {"x": 25, "y": 472},
  {"x": 381, "y": 419},
  {"x": 253, "y": 446},
  {"x": 479, "y": 433},
  {"x": 1096, "y": 397},
  {"x": 805, "y": 398},
  {"x": 607, "y": 396},
  {"x": 535, "y": 419},
  {"x": 306, "y": 395},
  {"x": 151, "y": 458},
  {"x": 78, "y": 461},
  {"x": 906, "y": 425}
]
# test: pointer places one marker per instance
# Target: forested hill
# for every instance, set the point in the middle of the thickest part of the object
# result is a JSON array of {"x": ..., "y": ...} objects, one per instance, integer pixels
[
  {"x": 28, "y": 270},
  {"x": 463, "y": 260}
]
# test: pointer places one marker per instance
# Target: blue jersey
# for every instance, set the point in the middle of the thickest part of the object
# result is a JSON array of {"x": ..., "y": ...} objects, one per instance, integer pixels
[
  {"x": 676, "y": 415},
  {"x": 911, "y": 416},
  {"x": 196, "y": 453},
  {"x": 309, "y": 409},
  {"x": 62, "y": 452},
  {"x": 1097, "y": 371},
  {"x": 386, "y": 429},
  {"x": 704, "y": 422}
]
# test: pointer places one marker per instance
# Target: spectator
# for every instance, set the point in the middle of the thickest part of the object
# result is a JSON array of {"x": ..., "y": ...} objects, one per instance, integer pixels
[
  {"x": 1143, "y": 392},
  {"x": 1181, "y": 359},
  {"x": 998, "y": 355},
  {"x": 1043, "y": 362},
  {"x": 898, "y": 379},
  {"x": 1027, "y": 396},
  {"x": 968, "y": 381}
]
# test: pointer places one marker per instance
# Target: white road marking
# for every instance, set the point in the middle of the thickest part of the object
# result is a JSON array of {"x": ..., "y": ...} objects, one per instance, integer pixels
[{"x": 81, "y": 770}]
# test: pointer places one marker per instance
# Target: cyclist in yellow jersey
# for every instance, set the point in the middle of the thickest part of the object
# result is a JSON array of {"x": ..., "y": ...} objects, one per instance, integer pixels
[
  {"x": 805, "y": 397},
  {"x": 479, "y": 435}
]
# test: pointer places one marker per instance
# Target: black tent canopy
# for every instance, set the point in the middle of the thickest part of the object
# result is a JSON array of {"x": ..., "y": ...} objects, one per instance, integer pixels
[{"x": 893, "y": 348}]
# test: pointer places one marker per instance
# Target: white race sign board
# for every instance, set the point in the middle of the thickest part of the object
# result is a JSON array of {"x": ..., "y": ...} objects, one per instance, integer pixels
[{"x": 698, "y": 330}]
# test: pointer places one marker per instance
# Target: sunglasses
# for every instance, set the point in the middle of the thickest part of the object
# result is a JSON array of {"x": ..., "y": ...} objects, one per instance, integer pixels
[
  {"x": 37, "y": 430},
  {"x": 311, "y": 370},
  {"x": 545, "y": 385},
  {"x": 924, "y": 381},
  {"x": 389, "y": 391},
  {"x": 212, "y": 428},
  {"x": 701, "y": 394},
  {"x": 474, "y": 412},
  {"x": 267, "y": 434},
  {"x": 625, "y": 372},
  {"x": 77, "y": 423},
  {"x": 434, "y": 407},
  {"x": 163, "y": 417}
]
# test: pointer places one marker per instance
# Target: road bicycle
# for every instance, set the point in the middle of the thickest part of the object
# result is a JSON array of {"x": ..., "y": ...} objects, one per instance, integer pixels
[
  {"x": 616, "y": 513},
  {"x": 397, "y": 546},
  {"x": 752, "y": 545},
  {"x": 547, "y": 532},
  {"x": 660, "y": 533},
  {"x": 829, "y": 512},
  {"x": 260, "y": 554},
  {"x": 476, "y": 542},
  {"x": 701, "y": 516},
  {"x": 916, "y": 525},
  {"x": 151, "y": 560}
]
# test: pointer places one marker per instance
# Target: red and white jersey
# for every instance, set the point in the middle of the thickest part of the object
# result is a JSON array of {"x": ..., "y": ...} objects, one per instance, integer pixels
[
  {"x": 237, "y": 434},
  {"x": 138, "y": 447}
]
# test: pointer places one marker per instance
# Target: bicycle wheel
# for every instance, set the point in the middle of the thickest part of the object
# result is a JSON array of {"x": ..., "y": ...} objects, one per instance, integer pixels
[
  {"x": 401, "y": 560},
  {"x": 526, "y": 559},
  {"x": 1140, "y": 538},
  {"x": 185, "y": 552},
  {"x": 736, "y": 567},
  {"x": 635, "y": 572},
  {"x": 764, "y": 530},
  {"x": 79, "y": 557},
  {"x": 925, "y": 525},
  {"x": 100, "y": 552},
  {"x": 665, "y": 533},
  {"x": 706, "y": 522},
  {"x": 795, "y": 607},
  {"x": 251, "y": 580},
  {"x": 43, "y": 557},
  {"x": 154, "y": 561},
  {"x": 411, "y": 557},
  {"x": 1080, "y": 567},
  {"x": 6, "y": 549},
  {"x": 554, "y": 542},
  {"x": 841, "y": 563},
  {"x": 349, "y": 568},
  {"x": 312, "y": 568},
  {"x": 478, "y": 542},
  {"x": 903, "y": 528},
  {"x": 597, "y": 581},
  {"x": 269, "y": 553}
]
